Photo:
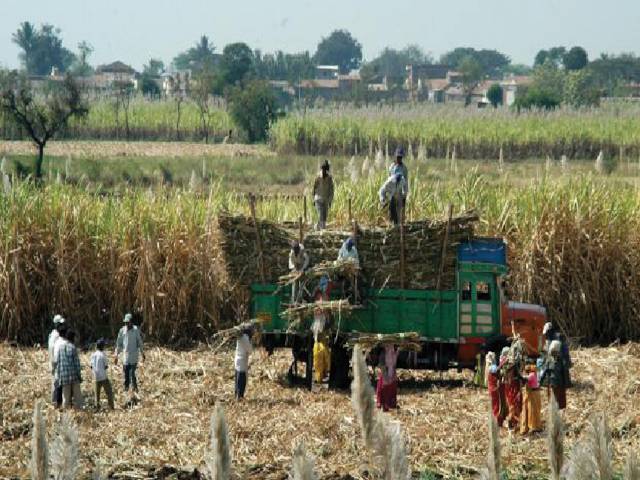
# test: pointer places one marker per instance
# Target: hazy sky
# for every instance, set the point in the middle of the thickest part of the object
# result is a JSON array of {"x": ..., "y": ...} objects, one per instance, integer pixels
[{"x": 135, "y": 30}]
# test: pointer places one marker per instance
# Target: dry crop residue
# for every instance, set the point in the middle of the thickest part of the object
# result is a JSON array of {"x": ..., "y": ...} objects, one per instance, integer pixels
[
  {"x": 134, "y": 149},
  {"x": 442, "y": 415}
]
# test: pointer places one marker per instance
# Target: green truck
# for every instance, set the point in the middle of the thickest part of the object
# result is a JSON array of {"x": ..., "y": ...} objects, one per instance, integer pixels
[{"x": 454, "y": 326}]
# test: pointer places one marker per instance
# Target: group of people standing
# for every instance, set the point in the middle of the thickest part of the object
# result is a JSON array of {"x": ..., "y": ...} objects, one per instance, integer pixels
[
  {"x": 66, "y": 369},
  {"x": 514, "y": 385},
  {"x": 392, "y": 195}
]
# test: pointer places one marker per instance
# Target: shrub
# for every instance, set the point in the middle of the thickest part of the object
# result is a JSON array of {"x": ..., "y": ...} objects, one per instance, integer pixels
[{"x": 253, "y": 108}]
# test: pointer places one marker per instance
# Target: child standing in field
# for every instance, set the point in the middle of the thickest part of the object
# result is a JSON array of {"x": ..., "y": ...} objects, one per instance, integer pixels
[
  {"x": 99, "y": 367},
  {"x": 531, "y": 421}
]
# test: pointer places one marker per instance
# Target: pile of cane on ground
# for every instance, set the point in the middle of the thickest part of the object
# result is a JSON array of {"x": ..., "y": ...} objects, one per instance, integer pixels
[{"x": 444, "y": 417}]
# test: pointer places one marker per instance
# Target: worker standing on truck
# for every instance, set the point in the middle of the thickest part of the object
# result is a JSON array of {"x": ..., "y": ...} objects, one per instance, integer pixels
[
  {"x": 298, "y": 263},
  {"x": 350, "y": 284},
  {"x": 323, "y": 195},
  {"x": 394, "y": 193}
]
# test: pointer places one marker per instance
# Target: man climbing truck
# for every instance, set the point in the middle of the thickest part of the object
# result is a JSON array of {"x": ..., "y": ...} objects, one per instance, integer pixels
[{"x": 432, "y": 282}]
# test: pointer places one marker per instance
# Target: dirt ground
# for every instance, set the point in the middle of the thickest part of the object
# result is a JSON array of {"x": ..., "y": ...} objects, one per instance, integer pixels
[{"x": 443, "y": 417}]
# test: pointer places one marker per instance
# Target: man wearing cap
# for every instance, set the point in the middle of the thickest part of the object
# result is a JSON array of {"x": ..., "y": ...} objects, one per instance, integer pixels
[
  {"x": 129, "y": 343},
  {"x": 53, "y": 345},
  {"x": 323, "y": 195},
  {"x": 394, "y": 193},
  {"x": 398, "y": 167}
]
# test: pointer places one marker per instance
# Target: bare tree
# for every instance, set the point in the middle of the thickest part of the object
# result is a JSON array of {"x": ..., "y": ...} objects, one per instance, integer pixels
[
  {"x": 201, "y": 94},
  {"x": 42, "y": 116},
  {"x": 123, "y": 92}
]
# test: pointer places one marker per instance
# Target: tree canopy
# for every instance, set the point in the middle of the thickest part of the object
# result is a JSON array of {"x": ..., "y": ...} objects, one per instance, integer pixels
[
  {"x": 492, "y": 62},
  {"x": 575, "y": 59},
  {"x": 495, "y": 94},
  {"x": 284, "y": 66},
  {"x": 555, "y": 55},
  {"x": 236, "y": 63},
  {"x": 392, "y": 63},
  {"x": 341, "y": 49},
  {"x": 42, "y": 49},
  {"x": 197, "y": 58},
  {"x": 253, "y": 107},
  {"x": 41, "y": 117}
]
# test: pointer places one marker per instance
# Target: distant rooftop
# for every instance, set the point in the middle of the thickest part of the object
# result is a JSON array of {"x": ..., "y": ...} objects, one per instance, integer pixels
[{"x": 115, "y": 67}]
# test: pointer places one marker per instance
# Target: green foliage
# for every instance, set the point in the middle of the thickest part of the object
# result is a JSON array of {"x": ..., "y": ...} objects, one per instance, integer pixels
[
  {"x": 253, "y": 107},
  {"x": 472, "y": 74},
  {"x": 197, "y": 58},
  {"x": 554, "y": 55},
  {"x": 284, "y": 66},
  {"x": 236, "y": 63},
  {"x": 42, "y": 49},
  {"x": 392, "y": 64},
  {"x": 41, "y": 118},
  {"x": 492, "y": 62},
  {"x": 611, "y": 73},
  {"x": 149, "y": 86},
  {"x": 575, "y": 59},
  {"x": 81, "y": 67},
  {"x": 538, "y": 97},
  {"x": 579, "y": 89},
  {"x": 153, "y": 68},
  {"x": 495, "y": 94},
  {"x": 341, "y": 49}
]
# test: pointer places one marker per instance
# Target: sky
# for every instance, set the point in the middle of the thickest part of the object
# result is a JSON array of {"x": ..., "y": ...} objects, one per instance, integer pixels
[{"x": 135, "y": 30}]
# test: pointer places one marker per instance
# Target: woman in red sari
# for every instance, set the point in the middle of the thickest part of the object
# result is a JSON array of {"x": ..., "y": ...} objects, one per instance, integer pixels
[
  {"x": 496, "y": 389},
  {"x": 387, "y": 387},
  {"x": 513, "y": 388}
]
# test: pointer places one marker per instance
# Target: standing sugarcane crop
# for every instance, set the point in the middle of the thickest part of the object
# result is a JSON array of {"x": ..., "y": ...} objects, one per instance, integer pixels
[{"x": 323, "y": 195}]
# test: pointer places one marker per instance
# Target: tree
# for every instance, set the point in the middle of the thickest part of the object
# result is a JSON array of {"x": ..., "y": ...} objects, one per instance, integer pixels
[
  {"x": 537, "y": 97},
  {"x": 554, "y": 55},
  {"x": 611, "y": 73},
  {"x": 471, "y": 71},
  {"x": 81, "y": 67},
  {"x": 580, "y": 90},
  {"x": 492, "y": 62},
  {"x": 201, "y": 94},
  {"x": 122, "y": 95},
  {"x": 236, "y": 63},
  {"x": 341, "y": 49},
  {"x": 253, "y": 107},
  {"x": 42, "y": 49},
  {"x": 575, "y": 59},
  {"x": 153, "y": 68},
  {"x": 392, "y": 64},
  {"x": 495, "y": 95},
  {"x": 42, "y": 118},
  {"x": 149, "y": 86},
  {"x": 197, "y": 58}
]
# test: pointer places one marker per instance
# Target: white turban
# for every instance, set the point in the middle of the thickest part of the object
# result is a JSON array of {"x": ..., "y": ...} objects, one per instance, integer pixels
[
  {"x": 546, "y": 328},
  {"x": 58, "y": 319}
]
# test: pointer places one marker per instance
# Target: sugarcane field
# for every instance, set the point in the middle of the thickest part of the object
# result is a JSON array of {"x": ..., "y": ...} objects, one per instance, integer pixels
[{"x": 305, "y": 257}]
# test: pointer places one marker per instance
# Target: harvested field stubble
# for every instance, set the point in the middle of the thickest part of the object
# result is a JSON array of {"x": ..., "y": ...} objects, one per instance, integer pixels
[{"x": 443, "y": 418}]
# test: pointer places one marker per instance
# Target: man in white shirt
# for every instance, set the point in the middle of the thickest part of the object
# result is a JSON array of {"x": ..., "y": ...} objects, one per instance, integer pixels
[
  {"x": 394, "y": 194},
  {"x": 55, "y": 339},
  {"x": 243, "y": 350},
  {"x": 129, "y": 343},
  {"x": 99, "y": 367}
]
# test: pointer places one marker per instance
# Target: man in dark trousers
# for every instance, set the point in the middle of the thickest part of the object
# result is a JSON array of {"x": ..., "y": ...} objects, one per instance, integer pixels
[{"x": 323, "y": 195}]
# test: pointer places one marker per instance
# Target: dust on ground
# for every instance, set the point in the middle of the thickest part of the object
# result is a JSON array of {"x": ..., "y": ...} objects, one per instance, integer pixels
[{"x": 444, "y": 417}]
